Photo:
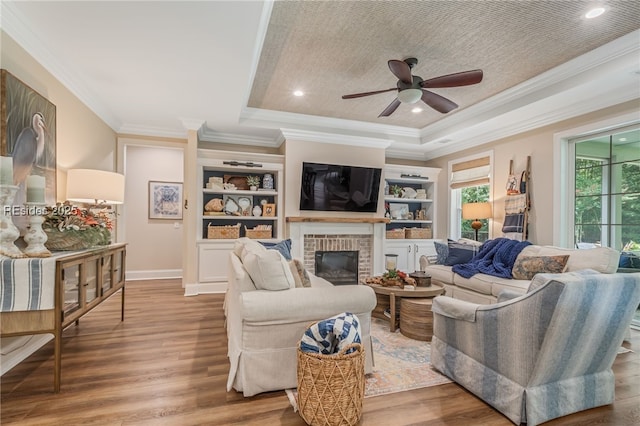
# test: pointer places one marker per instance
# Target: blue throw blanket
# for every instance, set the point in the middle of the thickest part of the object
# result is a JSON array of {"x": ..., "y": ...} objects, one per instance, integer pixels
[{"x": 496, "y": 257}]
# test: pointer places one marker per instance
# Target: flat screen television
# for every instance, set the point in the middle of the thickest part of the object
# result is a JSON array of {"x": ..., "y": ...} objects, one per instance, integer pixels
[{"x": 331, "y": 187}]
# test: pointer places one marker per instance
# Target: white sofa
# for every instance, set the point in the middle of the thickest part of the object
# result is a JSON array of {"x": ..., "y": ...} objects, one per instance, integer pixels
[
  {"x": 484, "y": 289},
  {"x": 264, "y": 326}
]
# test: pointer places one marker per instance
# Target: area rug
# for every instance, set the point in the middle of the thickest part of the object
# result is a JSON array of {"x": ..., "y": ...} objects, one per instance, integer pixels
[{"x": 401, "y": 364}]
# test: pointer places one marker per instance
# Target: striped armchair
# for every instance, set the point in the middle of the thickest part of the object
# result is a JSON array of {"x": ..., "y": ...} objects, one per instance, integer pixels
[{"x": 542, "y": 355}]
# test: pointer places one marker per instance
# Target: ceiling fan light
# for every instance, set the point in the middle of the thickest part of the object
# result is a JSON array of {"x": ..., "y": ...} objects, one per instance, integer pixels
[{"x": 410, "y": 96}]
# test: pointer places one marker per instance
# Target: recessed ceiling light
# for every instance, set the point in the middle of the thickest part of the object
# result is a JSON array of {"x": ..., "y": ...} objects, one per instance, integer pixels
[
  {"x": 416, "y": 110},
  {"x": 595, "y": 12},
  {"x": 298, "y": 93}
]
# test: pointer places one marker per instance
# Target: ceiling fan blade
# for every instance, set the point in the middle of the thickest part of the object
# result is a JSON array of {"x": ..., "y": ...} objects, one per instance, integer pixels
[
  {"x": 359, "y": 95},
  {"x": 390, "y": 109},
  {"x": 464, "y": 78},
  {"x": 401, "y": 70},
  {"x": 437, "y": 102}
]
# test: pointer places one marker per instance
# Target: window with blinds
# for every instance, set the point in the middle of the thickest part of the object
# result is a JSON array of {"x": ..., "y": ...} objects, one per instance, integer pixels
[{"x": 470, "y": 173}]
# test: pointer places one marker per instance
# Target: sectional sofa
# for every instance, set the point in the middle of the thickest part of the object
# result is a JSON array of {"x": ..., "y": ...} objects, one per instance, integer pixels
[{"x": 484, "y": 289}]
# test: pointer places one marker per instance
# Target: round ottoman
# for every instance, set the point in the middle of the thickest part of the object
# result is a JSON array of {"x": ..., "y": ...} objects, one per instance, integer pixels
[{"x": 416, "y": 318}]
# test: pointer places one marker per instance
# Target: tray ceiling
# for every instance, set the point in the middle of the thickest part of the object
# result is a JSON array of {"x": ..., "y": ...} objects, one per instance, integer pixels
[{"x": 230, "y": 67}]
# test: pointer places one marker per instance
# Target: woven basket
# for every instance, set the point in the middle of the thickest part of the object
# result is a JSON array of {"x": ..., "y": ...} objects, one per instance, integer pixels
[
  {"x": 76, "y": 240},
  {"x": 223, "y": 232},
  {"x": 395, "y": 234},
  {"x": 331, "y": 387},
  {"x": 417, "y": 233},
  {"x": 258, "y": 233}
]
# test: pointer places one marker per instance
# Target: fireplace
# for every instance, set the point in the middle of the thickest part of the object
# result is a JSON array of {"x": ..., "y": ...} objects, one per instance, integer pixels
[{"x": 338, "y": 267}]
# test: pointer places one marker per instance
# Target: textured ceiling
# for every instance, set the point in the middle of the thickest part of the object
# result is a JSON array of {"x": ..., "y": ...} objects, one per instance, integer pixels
[
  {"x": 228, "y": 68},
  {"x": 328, "y": 49}
]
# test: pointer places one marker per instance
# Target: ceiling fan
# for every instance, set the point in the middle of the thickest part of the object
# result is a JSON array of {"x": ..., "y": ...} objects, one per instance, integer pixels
[{"x": 412, "y": 88}]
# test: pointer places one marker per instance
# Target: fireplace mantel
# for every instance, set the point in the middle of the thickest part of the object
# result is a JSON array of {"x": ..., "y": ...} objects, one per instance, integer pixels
[
  {"x": 337, "y": 227},
  {"x": 292, "y": 219}
]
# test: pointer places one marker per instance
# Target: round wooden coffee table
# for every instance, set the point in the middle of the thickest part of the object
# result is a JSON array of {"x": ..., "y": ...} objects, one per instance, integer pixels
[{"x": 389, "y": 298}]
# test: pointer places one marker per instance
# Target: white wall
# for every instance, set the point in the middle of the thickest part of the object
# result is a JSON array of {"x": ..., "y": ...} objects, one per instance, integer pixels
[{"x": 155, "y": 245}]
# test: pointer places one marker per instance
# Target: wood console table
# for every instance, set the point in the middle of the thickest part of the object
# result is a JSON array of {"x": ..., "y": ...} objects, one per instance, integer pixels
[{"x": 83, "y": 280}]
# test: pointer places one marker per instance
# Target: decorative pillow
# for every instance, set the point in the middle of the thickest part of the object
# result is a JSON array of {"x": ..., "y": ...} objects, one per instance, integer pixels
[
  {"x": 284, "y": 247},
  {"x": 246, "y": 245},
  {"x": 269, "y": 270},
  {"x": 460, "y": 252},
  {"x": 526, "y": 267},
  {"x": 442, "y": 251},
  {"x": 300, "y": 275}
]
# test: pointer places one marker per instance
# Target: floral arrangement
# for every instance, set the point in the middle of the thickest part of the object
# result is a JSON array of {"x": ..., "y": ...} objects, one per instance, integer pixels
[
  {"x": 72, "y": 228},
  {"x": 395, "y": 190}
]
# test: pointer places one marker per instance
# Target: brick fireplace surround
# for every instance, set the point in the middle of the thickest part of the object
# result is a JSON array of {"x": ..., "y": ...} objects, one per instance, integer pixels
[{"x": 310, "y": 234}]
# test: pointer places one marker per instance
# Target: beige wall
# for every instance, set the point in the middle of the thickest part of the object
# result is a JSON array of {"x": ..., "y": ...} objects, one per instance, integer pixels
[
  {"x": 83, "y": 140},
  {"x": 297, "y": 152},
  {"x": 539, "y": 144},
  {"x": 155, "y": 245}
]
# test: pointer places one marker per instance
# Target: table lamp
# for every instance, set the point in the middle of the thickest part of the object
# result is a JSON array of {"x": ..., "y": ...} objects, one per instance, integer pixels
[
  {"x": 95, "y": 187},
  {"x": 475, "y": 212}
]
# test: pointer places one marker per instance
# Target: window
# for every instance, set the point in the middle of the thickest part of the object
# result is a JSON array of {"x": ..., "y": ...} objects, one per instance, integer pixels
[
  {"x": 607, "y": 193},
  {"x": 470, "y": 180}
]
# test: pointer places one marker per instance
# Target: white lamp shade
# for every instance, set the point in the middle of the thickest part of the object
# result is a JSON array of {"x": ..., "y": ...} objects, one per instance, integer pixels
[
  {"x": 89, "y": 186},
  {"x": 410, "y": 96},
  {"x": 476, "y": 211}
]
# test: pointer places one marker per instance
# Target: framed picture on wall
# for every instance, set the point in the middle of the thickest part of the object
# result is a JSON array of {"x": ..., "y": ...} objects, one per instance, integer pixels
[
  {"x": 28, "y": 136},
  {"x": 165, "y": 200}
]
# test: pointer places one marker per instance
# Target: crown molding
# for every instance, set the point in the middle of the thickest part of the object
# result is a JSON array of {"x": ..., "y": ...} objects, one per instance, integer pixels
[
  {"x": 163, "y": 132},
  {"x": 547, "y": 112},
  {"x": 600, "y": 63},
  {"x": 209, "y": 135},
  {"x": 278, "y": 119},
  {"x": 335, "y": 138},
  {"x": 14, "y": 24}
]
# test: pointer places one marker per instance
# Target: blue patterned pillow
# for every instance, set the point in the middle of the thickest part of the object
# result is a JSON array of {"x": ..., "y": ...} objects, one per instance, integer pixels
[
  {"x": 460, "y": 253},
  {"x": 284, "y": 247},
  {"x": 442, "y": 251}
]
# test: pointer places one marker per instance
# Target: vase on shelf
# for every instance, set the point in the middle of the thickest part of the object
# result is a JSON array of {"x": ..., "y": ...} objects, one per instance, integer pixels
[
  {"x": 267, "y": 181},
  {"x": 257, "y": 211}
]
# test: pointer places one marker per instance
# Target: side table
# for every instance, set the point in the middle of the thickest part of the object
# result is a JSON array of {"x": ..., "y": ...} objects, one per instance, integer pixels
[{"x": 416, "y": 318}]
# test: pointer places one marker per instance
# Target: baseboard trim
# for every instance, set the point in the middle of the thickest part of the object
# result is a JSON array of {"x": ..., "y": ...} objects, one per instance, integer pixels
[
  {"x": 205, "y": 288},
  {"x": 156, "y": 274}
]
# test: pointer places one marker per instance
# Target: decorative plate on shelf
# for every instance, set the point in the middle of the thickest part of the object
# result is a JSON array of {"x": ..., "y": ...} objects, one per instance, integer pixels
[
  {"x": 231, "y": 206},
  {"x": 245, "y": 205}
]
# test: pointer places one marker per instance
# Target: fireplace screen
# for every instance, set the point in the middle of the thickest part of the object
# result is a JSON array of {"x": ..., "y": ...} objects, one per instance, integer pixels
[{"x": 337, "y": 267}]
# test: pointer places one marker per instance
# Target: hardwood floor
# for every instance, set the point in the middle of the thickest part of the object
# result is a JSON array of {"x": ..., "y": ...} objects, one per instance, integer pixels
[{"x": 166, "y": 364}]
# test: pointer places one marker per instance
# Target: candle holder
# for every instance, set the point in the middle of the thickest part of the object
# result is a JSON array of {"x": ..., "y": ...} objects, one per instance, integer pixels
[
  {"x": 8, "y": 231},
  {"x": 390, "y": 262},
  {"x": 35, "y": 237}
]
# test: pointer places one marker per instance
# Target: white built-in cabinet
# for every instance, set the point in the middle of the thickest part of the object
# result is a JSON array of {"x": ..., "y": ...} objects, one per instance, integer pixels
[
  {"x": 239, "y": 203},
  {"x": 413, "y": 180}
]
